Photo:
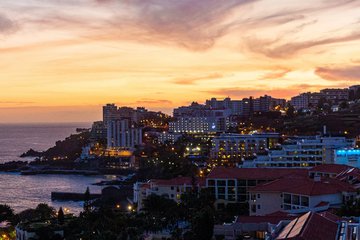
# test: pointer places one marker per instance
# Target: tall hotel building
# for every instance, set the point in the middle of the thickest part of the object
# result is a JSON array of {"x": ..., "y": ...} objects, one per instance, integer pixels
[{"x": 122, "y": 134}]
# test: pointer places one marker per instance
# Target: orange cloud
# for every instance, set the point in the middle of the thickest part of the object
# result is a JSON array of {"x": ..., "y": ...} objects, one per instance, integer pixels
[
  {"x": 349, "y": 73},
  {"x": 192, "y": 80}
]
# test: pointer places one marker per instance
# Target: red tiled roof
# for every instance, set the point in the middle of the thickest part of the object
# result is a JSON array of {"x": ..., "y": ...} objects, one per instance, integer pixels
[
  {"x": 308, "y": 227},
  {"x": 304, "y": 186},
  {"x": 330, "y": 216},
  {"x": 330, "y": 168},
  {"x": 254, "y": 173},
  {"x": 263, "y": 219},
  {"x": 179, "y": 181},
  {"x": 322, "y": 204}
]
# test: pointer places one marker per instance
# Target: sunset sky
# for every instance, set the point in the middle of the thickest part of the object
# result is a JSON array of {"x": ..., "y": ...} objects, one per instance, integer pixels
[{"x": 61, "y": 60}]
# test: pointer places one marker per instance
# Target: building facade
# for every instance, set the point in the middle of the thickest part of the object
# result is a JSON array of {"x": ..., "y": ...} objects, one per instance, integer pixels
[
  {"x": 123, "y": 134},
  {"x": 234, "y": 148}
]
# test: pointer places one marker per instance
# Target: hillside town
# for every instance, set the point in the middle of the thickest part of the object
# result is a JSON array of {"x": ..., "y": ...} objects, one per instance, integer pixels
[{"x": 226, "y": 169}]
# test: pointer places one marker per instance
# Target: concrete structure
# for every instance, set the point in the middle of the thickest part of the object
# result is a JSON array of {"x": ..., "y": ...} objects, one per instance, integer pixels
[
  {"x": 304, "y": 152},
  {"x": 335, "y": 95},
  {"x": 231, "y": 185},
  {"x": 301, "y": 101},
  {"x": 298, "y": 194},
  {"x": 166, "y": 136},
  {"x": 110, "y": 113},
  {"x": 123, "y": 134},
  {"x": 170, "y": 188},
  {"x": 350, "y": 157},
  {"x": 234, "y": 148}
]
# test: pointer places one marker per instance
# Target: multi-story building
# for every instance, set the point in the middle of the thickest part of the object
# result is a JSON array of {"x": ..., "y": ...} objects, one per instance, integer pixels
[
  {"x": 267, "y": 103},
  {"x": 231, "y": 185},
  {"x": 335, "y": 95},
  {"x": 298, "y": 194},
  {"x": 193, "y": 125},
  {"x": 110, "y": 113},
  {"x": 98, "y": 131},
  {"x": 354, "y": 92},
  {"x": 194, "y": 110},
  {"x": 169, "y": 188},
  {"x": 301, "y": 101},
  {"x": 234, "y": 148},
  {"x": 304, "y": 152},
  {"x": 123, "y": 134},
  {"x": 349, "y": 157},
  {"x": 168, "y": 137},
  {"x": 315, "y": 98}
]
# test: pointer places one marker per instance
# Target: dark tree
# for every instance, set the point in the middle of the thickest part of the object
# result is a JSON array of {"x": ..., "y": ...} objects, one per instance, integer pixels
[
  {"x": 87, "y": 204},
  {"x": 203, "y": 224},
  {"x": 44, "y": 211},
  {"x": 290, "y": 112},
  {"x": 61, "y": 217},
  {"x": 6, "y": 213}
]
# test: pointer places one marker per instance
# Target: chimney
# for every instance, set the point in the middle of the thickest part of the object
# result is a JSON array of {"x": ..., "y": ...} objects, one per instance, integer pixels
[{"x": 324, "y": 130}]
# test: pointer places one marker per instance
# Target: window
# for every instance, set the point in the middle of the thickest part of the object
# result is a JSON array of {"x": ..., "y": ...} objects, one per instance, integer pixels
[
  {"x": 296, "y": 199},
  {"x": 172, "y": 187},
  {"x": 211, "y": 182},
  {"x": 231, "y": 197},
  {"x": 253, "y": 208},
  {"x": 241, "y": 189},
  {"x": 258, "y": 206},
  {"x": 258, "y": 196},
  {"x": 304, "y": 201},
  {"x": 251, "y": 182},
  {"x": 221, "y": 190},
  {"x": 231, "y": 183},
  {"x": 221, "y": 183},
  {"x": 287, "y": 198}
]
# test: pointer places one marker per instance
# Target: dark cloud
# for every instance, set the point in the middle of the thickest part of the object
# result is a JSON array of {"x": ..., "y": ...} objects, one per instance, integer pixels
[
  {"x": 6, "y": 25},
  {"x": 191, "y": 24},
  {"x": 192, "y": 80},
  {"x": 349, "y": 73}
]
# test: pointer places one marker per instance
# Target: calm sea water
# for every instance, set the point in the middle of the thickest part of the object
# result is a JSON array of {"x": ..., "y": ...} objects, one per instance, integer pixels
[
  {"x": 22, "y": 192},
  {"x": 16, "y": 139}
]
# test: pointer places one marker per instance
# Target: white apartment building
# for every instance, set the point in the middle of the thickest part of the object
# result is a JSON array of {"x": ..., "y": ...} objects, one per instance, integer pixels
[
  {"x": 234, "y": 148},
  {"x": 294, "y": 194},
  {"x": 300, "y": 101},
  {"x": 304, "y": 152},
  {"x": 193, "y": 125},
  {"x": 122, "y": 134},
  {"x": 231, "y": 185},
  {"x": 166, "y": 136}
]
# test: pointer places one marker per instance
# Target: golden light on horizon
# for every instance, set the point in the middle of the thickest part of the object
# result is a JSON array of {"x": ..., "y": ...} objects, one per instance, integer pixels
[{"x": 61, "y": 61}]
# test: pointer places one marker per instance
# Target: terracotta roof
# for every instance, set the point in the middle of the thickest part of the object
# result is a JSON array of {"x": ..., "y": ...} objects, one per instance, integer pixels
[
  {"x": 254, "y": 173},
  {"x": 330, "y": 216},
  {"x": 263, "y": 219},
  {"x": 178, "y": 181},
  {"x": 304, "y": 186},
  {"x": 330, "y": 168},
  {"x": 322, "y": 204},
  {"x": 307, "y": 227}
]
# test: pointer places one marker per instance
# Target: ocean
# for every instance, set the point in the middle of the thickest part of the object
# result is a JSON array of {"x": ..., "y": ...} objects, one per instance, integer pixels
[
  {"x": 16, "y": 139},
  {"x": 23, "y": 192}
]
